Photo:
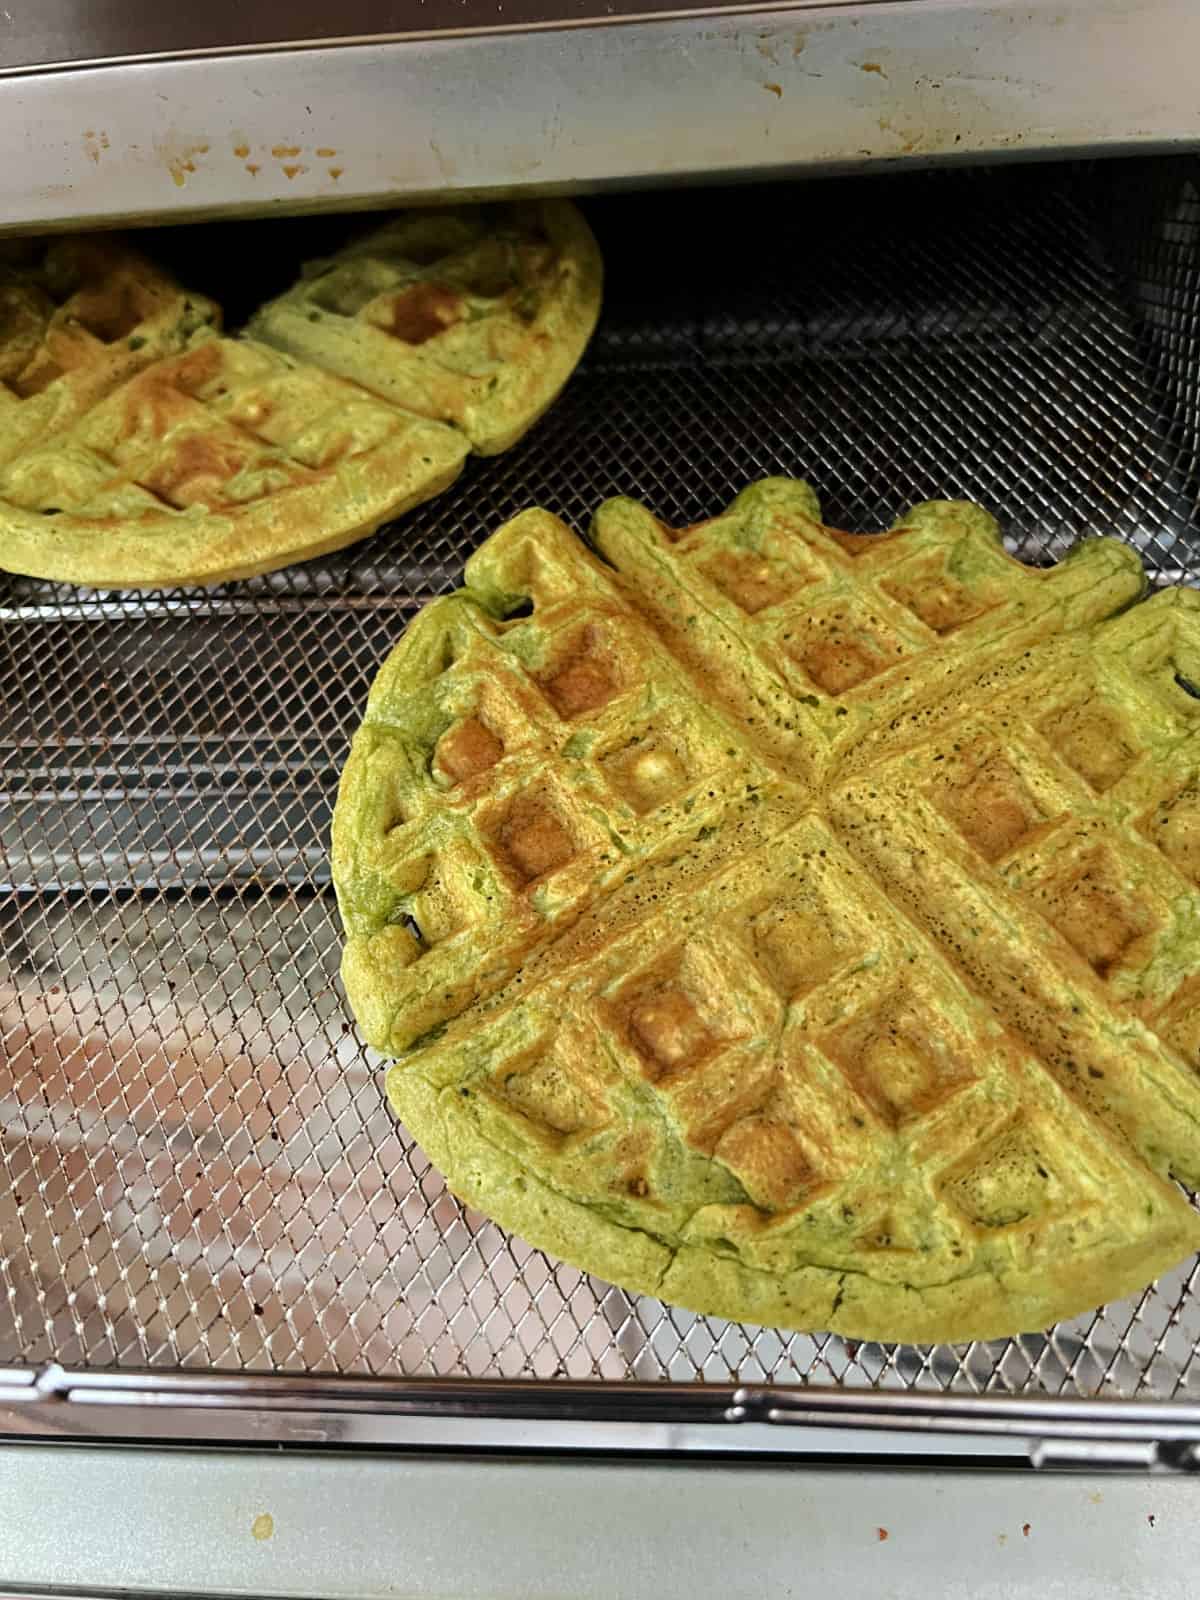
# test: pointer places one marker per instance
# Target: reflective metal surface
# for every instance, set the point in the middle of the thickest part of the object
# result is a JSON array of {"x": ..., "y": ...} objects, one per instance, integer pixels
[
  {"x": 557, "y": 1416},
  {"x": 36, "y": 33},
  {"x": 198, "y": 1166},
  {"x": 186, "y": 1523},
  {"x": 577, "y": 108}
]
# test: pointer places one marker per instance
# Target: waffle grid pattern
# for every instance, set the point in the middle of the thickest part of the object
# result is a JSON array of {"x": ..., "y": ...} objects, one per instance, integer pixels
[{"x": 198, "y": 1167}]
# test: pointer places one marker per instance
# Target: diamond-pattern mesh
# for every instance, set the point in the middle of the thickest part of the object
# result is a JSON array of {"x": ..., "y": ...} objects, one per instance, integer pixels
[{"x": 199, "y": 1168}]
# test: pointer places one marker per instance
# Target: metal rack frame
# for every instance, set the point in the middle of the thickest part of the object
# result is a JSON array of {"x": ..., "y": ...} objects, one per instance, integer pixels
[
  {"x": 1048, "y": 367},
  {"x": 743, "y": 1420}
]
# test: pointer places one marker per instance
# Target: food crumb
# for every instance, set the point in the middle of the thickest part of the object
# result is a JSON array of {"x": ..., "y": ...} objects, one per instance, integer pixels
[
  {"x": 1150, "y": 1518},
  {"x": 1025, "y": 1526},
  {"x": 881, "y": 1534},
  {"x": 775, "y": 89},
  {"x": 263, "y": 1526}
]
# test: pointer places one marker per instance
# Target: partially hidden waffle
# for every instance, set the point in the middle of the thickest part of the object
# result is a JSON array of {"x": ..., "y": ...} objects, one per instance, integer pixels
[
  {"x": 473, "y": 315},
  {"x": 78, "y": 316},
  {"x": 798, "y": 926},
  {"x": 227, "y": 460},
  {"x": 138, "y": 449}
]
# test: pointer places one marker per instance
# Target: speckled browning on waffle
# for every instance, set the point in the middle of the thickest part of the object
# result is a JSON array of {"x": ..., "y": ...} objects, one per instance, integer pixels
[
  {"x": 475, "y": 316},
  {"x": 726, "y": 867},
  {"x": 78, "y": 317},
  {"x": 1067, "y": 823},
  {"x": 511, "y": 772},
  {"x": 226, "y": 460}
]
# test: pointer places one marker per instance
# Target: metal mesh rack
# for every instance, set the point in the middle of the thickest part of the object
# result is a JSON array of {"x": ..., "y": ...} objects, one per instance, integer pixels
[{"x": 198, "y": 1166}]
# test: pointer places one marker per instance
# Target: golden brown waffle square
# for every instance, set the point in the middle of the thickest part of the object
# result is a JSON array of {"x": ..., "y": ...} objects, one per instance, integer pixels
[
  {"x": 474, "y": 315},
  {"x": 799, "y": 926},
  {"x": 79, "y": 316},
  {"x": 227, "y": 460}
]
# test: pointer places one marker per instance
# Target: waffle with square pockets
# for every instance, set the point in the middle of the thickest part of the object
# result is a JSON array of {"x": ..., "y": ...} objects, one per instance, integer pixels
[
  {"x": 225, "y": 461},
  {"x": 802, "y": 927},
  {"x": 475, "y": 316},
  {"x": 79, "y": 316},
  {"x": 140, "y": 449}
]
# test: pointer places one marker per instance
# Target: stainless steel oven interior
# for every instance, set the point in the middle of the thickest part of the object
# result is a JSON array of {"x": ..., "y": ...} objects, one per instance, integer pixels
[{"x": 209, "y": 1224}]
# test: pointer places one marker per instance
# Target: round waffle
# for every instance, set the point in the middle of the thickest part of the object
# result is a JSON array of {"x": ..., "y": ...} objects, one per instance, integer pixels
[{"x": 799, "y": 926}]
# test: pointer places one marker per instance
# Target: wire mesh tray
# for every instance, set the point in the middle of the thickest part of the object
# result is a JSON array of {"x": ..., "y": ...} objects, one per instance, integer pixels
[{"x": 199, "y": 1168}]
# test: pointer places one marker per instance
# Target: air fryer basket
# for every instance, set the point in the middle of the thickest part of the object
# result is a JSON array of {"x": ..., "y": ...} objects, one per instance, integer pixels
[{"x": 199, "y": 1169}]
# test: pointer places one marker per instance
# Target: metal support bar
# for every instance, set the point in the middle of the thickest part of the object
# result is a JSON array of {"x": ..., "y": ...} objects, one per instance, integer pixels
[
  {"x": 810, "y": 88},
  {"x": 557, "y": 1416}
]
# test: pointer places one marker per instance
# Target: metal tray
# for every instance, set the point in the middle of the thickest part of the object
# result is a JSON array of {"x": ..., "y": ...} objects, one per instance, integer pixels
[{"x": 199, "y": 1170}]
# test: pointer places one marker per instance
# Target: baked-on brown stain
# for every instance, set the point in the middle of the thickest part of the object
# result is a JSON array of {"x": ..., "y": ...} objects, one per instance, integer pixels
[
  {"x": 422, "y": 312},
  {"x": 667, "y": 1031},
  {"x": 936, "y": 597},
  {"x": 35, "y": 378},
  {"x": 293, "y": 172},
  {"x": 838, "y": 661},
  {"x": 1093, "y": 907},
  {"x": 241, "y": 151},
  {"x": 282, "y": 152},
  {"x": 775, "y": 89},
  {"x": 336, "y": 172},
  {"x": 325, "y": 151},
  {"x": 112, "y": 312},
  {"x": 751, "y": 581}
]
